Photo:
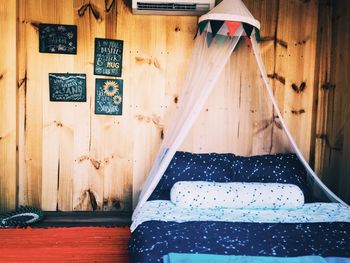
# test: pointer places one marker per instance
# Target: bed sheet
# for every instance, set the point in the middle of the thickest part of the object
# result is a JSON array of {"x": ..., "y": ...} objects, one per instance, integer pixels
[{"x": 153, "y": 239}]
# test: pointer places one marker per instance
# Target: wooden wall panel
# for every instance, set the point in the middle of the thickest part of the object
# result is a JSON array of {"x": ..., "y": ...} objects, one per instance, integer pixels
[
  {"x": 297, "y": 31},
  {"x": 333, "y": 126},
  {"x": 159, "y": 68},
  {"x": 30, "y": 105},
  {"x": 341, "y": 44},
  {"x": 83, "y": 161},
  {"x": 72, "y": 159},
  {"x": 147, "y": 56},
  {"x": 21, "y": 105},
  {"x": 8, "y": 87},
  {"x": 77, "y": 160},
  {"x": 289, "y": 31},
  {"x": 58, "y": 121},
  {"x": 322, "y": 74},
  {"x": 98, "y": 123}
]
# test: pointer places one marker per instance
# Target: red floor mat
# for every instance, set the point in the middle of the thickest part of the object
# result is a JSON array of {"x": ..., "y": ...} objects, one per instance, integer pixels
[{"x": 76, "y": 244}]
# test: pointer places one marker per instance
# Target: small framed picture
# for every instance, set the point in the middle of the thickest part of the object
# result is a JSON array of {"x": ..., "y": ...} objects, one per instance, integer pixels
[
  {"x": 109, "y": 96},
  {"x": 61, "y": 39},
  {"x": 67, "y": 87},
  {"x": 108, "y": 57}
]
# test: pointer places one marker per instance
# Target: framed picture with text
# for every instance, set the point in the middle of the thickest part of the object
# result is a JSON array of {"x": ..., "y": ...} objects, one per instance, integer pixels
[
  {"x": 109, "y": 96},
  {"x": 108, "y": 57},
  {"x": 67, "y": 87},
  {"x": 54, "y": 38}
]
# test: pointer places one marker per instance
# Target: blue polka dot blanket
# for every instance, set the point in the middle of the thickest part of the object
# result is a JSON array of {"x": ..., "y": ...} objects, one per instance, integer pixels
[
  {"x": 167, "y": 211},
  {"x": 321, "y": 229},
  {"x": 229, "y": 205}
]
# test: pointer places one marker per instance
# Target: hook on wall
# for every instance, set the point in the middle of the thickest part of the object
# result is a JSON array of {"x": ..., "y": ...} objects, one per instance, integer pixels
[
  {"x": 92, "y": 8},
  {"x": 109, "y": 7}
]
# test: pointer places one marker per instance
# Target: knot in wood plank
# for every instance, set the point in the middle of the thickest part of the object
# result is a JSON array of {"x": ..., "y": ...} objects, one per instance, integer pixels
[
  {"x": 328, "y": 86},
  {"x": 298, "y": 112},
  {"x": 299, "y": 89},
  {"x": 95, "y": 163}
]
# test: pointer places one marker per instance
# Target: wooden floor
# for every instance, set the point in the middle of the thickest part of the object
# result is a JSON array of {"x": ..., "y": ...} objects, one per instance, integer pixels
[{"x": 65, "y": 244}]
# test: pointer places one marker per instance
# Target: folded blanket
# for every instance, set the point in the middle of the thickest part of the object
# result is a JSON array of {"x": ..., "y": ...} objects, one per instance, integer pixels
[
  {"x": 162, "y": 210},
  {"x": 209, "y": 258}
]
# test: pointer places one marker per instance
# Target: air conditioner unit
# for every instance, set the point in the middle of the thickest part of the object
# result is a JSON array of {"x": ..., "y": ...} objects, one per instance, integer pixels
[{"x": 172, "y": 7}]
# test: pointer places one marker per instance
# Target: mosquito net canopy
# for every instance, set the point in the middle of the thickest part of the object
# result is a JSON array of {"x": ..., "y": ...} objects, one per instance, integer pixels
[{"x": 229, "y": 33}]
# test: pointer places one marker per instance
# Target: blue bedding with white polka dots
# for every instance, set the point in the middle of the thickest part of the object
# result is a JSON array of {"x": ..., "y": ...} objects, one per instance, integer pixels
[
  {"x": 153, "y": 239},
  {"x": 167, "y": 211},
  {"x": 227, "y": 167},
  {"x": 212, "y": 234}
]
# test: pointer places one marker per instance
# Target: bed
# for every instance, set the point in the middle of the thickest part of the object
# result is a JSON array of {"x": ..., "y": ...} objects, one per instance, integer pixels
[{"x": 163, "y": 231}]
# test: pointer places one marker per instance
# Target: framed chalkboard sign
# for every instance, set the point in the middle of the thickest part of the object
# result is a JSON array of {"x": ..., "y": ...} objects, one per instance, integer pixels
[
  {"x": 61, "y": 39},
  {"x": 67, "y": 87},
  {"x": 108, "y": 57},
  {"x": 109, "y": 96}
]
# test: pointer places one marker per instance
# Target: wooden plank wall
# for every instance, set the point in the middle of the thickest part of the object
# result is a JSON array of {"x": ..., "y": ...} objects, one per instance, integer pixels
[
  {"x": 289, "y": 38},
  {"x": 332, "y": 143},
  {"x": 8, "y": 89},
  {"x": 71, "y": 159}
]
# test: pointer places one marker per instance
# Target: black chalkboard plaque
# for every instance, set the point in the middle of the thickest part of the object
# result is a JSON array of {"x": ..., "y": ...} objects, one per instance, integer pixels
[
  {"x": 67, "y": 87},
  {"x": 108, "y": 57},
  {"x": 109, "y": 96},
  {"x": 61, "y": 39}
]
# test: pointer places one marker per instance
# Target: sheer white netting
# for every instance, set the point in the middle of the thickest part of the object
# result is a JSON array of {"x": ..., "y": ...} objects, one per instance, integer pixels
[
  {"x": 259, "y": 127},
  {"x": 197, "y": 86}
]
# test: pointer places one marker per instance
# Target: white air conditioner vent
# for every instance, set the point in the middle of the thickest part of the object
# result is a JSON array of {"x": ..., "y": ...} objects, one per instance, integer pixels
[
  {"x": 173, "y": 7},
  {"x": 165, "y": 6}
]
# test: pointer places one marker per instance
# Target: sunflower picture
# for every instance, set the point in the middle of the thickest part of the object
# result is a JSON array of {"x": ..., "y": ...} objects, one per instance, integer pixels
[
  {"x": 109, "y": 96},
  {"x": 110, "y": 88}
]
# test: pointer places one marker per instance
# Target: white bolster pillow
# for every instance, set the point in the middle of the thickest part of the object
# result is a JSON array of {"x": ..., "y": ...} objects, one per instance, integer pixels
[{"x": 200, "y": 194}]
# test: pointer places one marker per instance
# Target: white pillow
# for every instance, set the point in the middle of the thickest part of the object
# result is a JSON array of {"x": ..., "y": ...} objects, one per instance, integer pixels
[{"x": 200, "y": 194}]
